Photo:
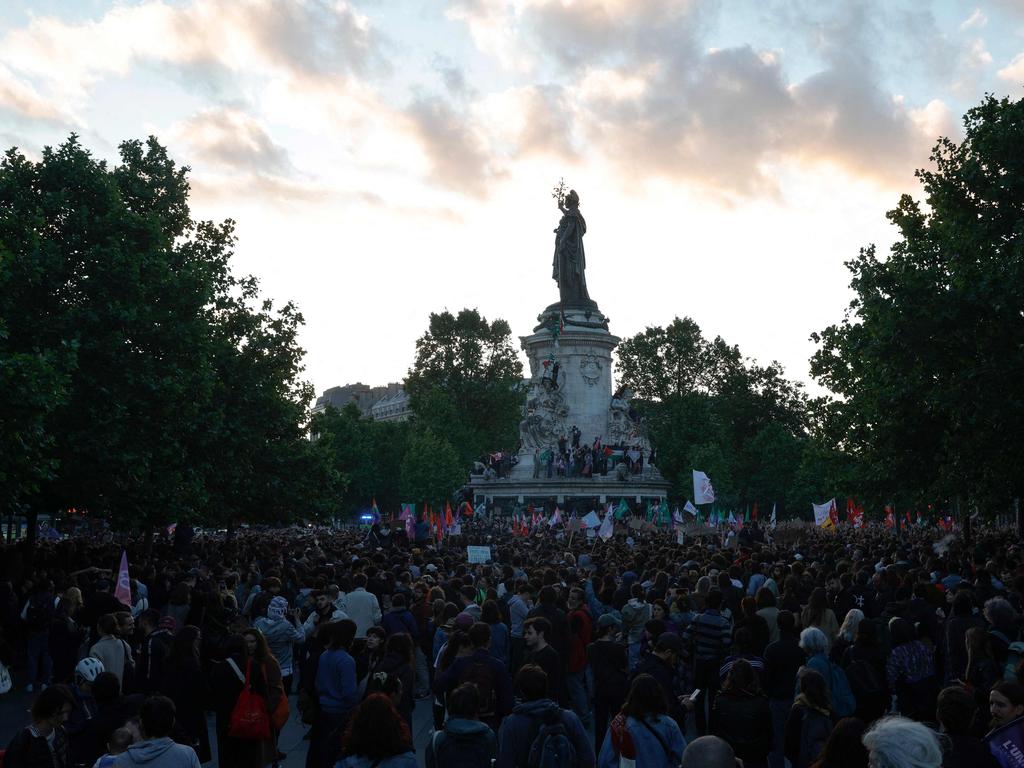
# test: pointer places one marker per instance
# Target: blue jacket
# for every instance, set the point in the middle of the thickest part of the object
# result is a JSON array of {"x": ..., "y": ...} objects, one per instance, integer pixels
[
  {"x": 404, "y": 760},
  {"x": 336, "y": 682},
  {"x": 400, "y": 620},
  {"x": 500, "y": 642},
  {"x": 649, "y": 752},
  {"x": 158, "y": 753},
  {"x": 280, "y": 634},
  {"x": 520, "y": 729},
  {"x": 467, "y": 738}
]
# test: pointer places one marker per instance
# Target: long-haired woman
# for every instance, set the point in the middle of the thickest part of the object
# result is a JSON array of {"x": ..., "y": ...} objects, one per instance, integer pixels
[
  {"x": 377, "y": 735},
  {"x": 643, "y": 730}
]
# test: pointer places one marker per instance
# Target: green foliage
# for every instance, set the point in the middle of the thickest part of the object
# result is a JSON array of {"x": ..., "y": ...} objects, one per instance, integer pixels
[
  {"x": 166, "y": 390},
  {"x": 709, "y": 408},
  {"x": 927, "y": 360},
  {"x": 431, "y": 468},
  {"x": 367, "y": 453},
  {"x": 465, "y": 383}
]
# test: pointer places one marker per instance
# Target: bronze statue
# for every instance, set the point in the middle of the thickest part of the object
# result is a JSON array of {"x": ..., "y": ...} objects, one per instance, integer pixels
[{"x": 569, "y": 265}]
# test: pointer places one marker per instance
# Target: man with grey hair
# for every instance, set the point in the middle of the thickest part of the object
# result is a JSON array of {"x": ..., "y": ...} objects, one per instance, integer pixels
[
  {"x": 896, "y": 742},
  {"x": 710, "y": 752}
]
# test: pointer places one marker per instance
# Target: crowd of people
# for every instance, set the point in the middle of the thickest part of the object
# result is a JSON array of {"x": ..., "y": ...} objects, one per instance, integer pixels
[
  {"x": 834, "y": 649},
  {"x": 569, "y": 459}
]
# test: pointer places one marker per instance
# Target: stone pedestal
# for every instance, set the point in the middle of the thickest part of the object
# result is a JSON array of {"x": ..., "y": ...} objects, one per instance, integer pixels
[{"x": 579, "y": 393}]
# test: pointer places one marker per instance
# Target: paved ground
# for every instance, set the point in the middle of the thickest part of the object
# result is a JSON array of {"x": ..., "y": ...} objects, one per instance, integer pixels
[{"x": 14, "y": 708}]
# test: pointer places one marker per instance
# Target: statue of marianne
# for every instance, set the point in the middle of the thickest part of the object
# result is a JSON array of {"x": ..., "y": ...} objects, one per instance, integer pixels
[{"x": 569, "y": 265}]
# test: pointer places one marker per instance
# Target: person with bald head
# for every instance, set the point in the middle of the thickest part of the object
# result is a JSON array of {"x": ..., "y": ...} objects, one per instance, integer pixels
[{"x": 710, "y": 752}]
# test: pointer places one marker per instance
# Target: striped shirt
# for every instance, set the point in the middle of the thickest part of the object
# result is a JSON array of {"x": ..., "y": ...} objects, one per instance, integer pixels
[{"x": 711, "y": 633}]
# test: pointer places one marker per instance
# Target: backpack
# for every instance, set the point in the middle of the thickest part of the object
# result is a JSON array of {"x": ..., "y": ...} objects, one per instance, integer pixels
[
  {"x": 482, "y": 676},
  {"x": 814, "y": 732},
  {"x": 551, "y": 747},
  {"x": 864, "y": 680},
  {"x": 454, "y": 752},
  {"x": 843, "y": 701},
  {"x": 39, "y": 615},
  {"x": 1014, "y": 654}
]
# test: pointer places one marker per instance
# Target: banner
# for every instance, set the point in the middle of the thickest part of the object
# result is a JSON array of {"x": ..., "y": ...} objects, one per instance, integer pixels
[
  {"x": 1007, "y": 744},
  {"x": 689, "y": 508},
  {"x": 123, "y": 592},
  {"x": 823, "y": 513},
  {"x": 478, "y": 554},
  {"x": 703, "y": 491}
]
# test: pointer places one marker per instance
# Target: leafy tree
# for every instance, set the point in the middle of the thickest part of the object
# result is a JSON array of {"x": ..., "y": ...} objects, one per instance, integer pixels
[
  {"x": 176, "y": 394},
  {"x": 367, "y": 453},
  {"x": 927, "y": 360},
  {"x": 431, "y": 469},
  {"x": 708, "y": 407},
  {"x": 465, "y": 383}
]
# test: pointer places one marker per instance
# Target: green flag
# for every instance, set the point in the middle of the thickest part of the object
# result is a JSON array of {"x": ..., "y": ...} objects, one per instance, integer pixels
[{"x": 622, "y": 510}]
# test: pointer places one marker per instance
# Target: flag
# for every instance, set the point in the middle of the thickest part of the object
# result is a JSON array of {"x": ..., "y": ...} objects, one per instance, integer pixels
[
  {"x": 890, "y": 520},
  {"x": 555, "y": 518},
  {"x": 407, "y": 512},
  {"x": 754, "y": 513},
  {"x": 703, "y": 491},
  {"x": 448, "y": 522},
  {"x": 855, "y": 516},
  {"x": 607, "y": 528},
  {"x": 123, "y": 592},
  {"x": 663, "y": 514},
  {"x": 374, "y": 511},
  {"x": 689, "y": 508},
  {"x": 732, "y": 519},
  {"x": 920, "y": 520},
  {"x": 467, "y": 509},
  {"x": 591, "y": 519},
  {"x": 773, "y": 517},
  {"x": 823, "y": 513},
  {"x": 456, "y": 529},
  {"x": 622, "y": 511},
  {"x": 677, "y": 518}
]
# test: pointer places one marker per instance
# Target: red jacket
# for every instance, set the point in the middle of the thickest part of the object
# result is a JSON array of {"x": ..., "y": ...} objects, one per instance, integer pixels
[{"x": 581, "y": 632}]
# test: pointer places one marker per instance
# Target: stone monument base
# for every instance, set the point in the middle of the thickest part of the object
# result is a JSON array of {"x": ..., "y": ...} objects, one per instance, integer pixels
[{"x": 584, "y": 493}]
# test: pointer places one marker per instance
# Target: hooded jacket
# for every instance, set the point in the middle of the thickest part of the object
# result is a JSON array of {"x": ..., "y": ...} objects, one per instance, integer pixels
[
  {"x": 158, "y": 753},
  {"x": 467, "y": 737},
  {"x": 281, "y": 634},
  {"x": 519, "y": 729}
]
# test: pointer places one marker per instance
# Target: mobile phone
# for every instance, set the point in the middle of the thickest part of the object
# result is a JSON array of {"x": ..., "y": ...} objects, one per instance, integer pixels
[{"x": 695, "y": 694}]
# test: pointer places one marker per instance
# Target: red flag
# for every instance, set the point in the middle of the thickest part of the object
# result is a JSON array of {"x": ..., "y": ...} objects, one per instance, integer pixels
[
  {"x": 890, "y": 520},
  {"x": 753, "y": 513},
  {"x": 448, "y": 522},
  {"x": 467, "y": 509}
]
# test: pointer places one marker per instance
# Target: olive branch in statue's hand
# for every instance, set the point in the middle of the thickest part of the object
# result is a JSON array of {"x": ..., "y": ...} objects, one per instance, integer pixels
[{"x": 559, "y": 193}]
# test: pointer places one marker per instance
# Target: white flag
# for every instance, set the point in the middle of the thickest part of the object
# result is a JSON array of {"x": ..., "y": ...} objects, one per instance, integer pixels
[
  {"x": 773, "y": 517},
  {"x": 608, "y": 525},
  {"x": 821, "y": 513},
  {"x": 555, "y": 518},
  {"x": 689, "y": 508},
  {"x": 703, "y": 492},
  {"x": 591, "y": 520}
]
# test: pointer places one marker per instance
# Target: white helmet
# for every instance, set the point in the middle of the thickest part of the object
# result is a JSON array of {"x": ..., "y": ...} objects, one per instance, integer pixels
[{"x": 88, "y": 669}]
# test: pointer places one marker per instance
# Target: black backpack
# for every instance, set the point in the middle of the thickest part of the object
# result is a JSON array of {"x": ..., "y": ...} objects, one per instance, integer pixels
[
  {"x": 551, "y": 748},
  {"x": 459, "y": 752},
  {"x": 39, "y": 615},
  {"x": 482, "y": 676},
  {"x": 864, "y": 680}
]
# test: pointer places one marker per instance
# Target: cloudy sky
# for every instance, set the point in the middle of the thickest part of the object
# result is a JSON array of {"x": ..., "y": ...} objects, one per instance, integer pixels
[{"x": 389, "y": 158}]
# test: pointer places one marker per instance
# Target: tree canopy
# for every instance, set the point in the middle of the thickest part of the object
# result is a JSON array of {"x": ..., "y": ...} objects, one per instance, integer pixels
[
  {"x": 465, "y": 383},
  {"x": 927, "y": 361},
  {"x": 163, "y": 387}
]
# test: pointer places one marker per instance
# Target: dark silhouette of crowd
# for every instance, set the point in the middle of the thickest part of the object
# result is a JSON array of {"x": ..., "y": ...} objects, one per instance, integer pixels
[{"x": 803, "y": 648}]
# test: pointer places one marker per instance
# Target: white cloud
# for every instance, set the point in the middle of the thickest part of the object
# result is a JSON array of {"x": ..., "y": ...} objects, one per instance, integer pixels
[
  {"x": 1014, "y": 71},
  {"x": 977, "y": 20},
  {"x": 21, "y": 99}
]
